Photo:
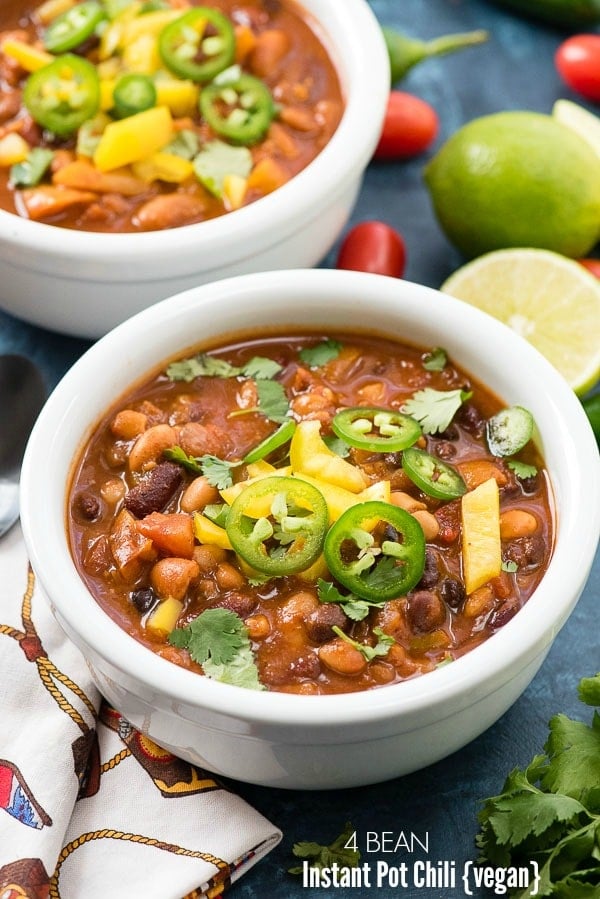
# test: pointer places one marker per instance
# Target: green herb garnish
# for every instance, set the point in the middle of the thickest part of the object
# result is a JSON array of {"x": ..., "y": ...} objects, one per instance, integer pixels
[
  {"x": 204, "y": 365},
  {"x": 435, "y": 360},
  {"x": 314, "y": 356},
  {"x": 31, "y": 171},
  {"x": 337, "y": 445},
  {"x": 342, "y": 851},
  {"x": 185, "y": 144},
  {"x": 218, "y": 640},
  {"x": 381, "y": 648},
  {"x": 355, "y": 608},
  {"x": 522, "y": 469},
  {"x": 550, "y": 811},
  {"x": 218, "y": 472},
  {"x": 435, "y": 409},
  {"x": 216, "y": 160}
]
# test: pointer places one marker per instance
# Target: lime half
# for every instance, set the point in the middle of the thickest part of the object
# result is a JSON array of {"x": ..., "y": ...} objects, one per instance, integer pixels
[
  {"x": 580, "y": 120},
  {"x": 551, "y": 301}
]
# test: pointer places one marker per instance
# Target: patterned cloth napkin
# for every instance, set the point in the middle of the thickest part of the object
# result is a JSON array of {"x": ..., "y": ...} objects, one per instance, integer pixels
[{"x": 90, "y": 807}]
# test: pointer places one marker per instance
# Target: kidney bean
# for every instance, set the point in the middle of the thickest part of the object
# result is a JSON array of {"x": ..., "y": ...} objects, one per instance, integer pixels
[
  {"x": 501, "y": 616},
  {"x": 305, "y": 666},
  {"x": 319, "y": 623},
  {"x": 243, "y": 604},
  {"x": 156, "y": 489},
  {"x": 444, "y": 449},
  {"x": 425, "y": 611}
]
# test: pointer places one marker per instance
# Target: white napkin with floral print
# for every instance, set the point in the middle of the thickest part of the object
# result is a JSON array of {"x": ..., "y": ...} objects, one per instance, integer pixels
[{"x": 89, "y": 806}]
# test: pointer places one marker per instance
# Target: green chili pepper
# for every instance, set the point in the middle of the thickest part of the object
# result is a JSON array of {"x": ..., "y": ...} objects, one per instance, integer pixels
[
  {"x": 31, "y": 171},
  {"x": 405, "y": 52},
  {"x": 277, "y": 525},
  {"x": 280, "y": 437},
  {"x": 198, "y": 45},
  {"x": 592, "y": 408},
  {"x": 376, "y": 550},
  {"x": 570, "y": 13},
  {"x": 431, "y": 475},
  {"x": 63, "y": 95},
  {"x": 377, "y": 430},
  {"x": 73, "y": 27},
  {"x": 133, "y": 93},
  {"x": 239, "y": 110}
]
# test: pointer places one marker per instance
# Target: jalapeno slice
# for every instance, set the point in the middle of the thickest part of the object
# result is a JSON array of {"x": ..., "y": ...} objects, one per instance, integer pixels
[
  {"x": 431, "y": 475},
  {"x": 132, "y": 94},
  {"x": 239, "y": 110},
  {"x": 277, "y": 525},
  {"x": 73, "y": 27},
  {"x": 198, "y": 45},
  {"x": 280, "y": 437},
  {"x": 376, "y": 550},
  {"x": 63, "y": 95},
  {"x": 376, "y": 430}
]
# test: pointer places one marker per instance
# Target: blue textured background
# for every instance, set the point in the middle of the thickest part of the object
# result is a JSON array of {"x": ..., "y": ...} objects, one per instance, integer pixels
[{"x": 513, "y": 71}]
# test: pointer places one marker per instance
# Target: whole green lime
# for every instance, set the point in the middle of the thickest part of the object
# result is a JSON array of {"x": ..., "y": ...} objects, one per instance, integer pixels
[{"x": 516, "y": 179}]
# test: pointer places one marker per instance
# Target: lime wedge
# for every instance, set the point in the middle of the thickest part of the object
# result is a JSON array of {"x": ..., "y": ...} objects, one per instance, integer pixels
[
  {"x": 579, "y": 120},
  {"x": 551, "y": 301}
]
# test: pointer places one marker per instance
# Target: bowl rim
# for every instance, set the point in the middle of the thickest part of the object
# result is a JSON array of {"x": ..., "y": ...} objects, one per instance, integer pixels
[
  {"x": 357, "y": 51},
  {"x": 478, "y": 672}
]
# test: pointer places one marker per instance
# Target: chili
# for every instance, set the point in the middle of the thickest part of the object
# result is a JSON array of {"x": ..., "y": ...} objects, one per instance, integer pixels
[
  {"x": 63, "y": 95},
  {"x": 198, "y": 45},
  {"x": 376, "y": 550},
  {"x": 377, "y": 430},
  {"x": 240, "y": 110},
  {"x": 434, "y": 477},
  {"x": 277, "y": 525},
  {"x": 133, "y": 93}
]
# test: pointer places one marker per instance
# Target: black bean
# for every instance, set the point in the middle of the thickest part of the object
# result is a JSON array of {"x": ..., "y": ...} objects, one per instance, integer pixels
[
  {"x": 471, "y": 419},
  {"x": 444, "y": 449},
  {"x": 243, "y": 604},
  {"x": 529, "y": 485},
  {"x": 154, "y": 492},
  {"x": 319, "y": 623},
  {"x": 451, "y": 433},
  {"x": 425, "y": 611},
  {"x": 143, "y": 599},
  {"x": 88, "y": 506},
  {"x": 453, "y": 593},
  {"x": 431, "y": 574},
  {"x": 526, "y": 552}
]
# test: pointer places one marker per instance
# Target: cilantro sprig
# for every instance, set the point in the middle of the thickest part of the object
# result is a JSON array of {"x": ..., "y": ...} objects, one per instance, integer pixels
[
  {"x": 218, "y": 472},
  {"x": 381, "y": 648},
  {"x": 218, "y": 640},
  {"x": 341, "y": 852},
  {"x": 435, "y": 409},
  {"x": 315, "y": 356},
  {"x": 522, "y": 469},
  {"x": 355, "y": 608},
  {"x": 435, "y": 360},
  {"x": 203, "y": 365},
  {"x": 272, "y": 402},
  {"x": 550, "y": 811}
]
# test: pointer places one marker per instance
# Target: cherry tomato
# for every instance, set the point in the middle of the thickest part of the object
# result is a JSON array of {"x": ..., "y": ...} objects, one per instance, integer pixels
[
  {"x": 578, "y": 62},
  {"x": 410, "y": 126},
  {"x": 373, "y": 247},
  {"x": 592, "y": 265}
]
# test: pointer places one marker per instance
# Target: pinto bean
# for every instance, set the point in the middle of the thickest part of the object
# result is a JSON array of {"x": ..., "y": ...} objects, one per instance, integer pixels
[
  {"x": 319, "y": 623},
  {"x": 168, "y": 211},
  {"x": 258, "y": 626},
  {"x": 428, "y": 522},
  {"x": 228, "y": 577},
  {"x": 197, "y": 440},
  {"x": 517, "y": 523},
  {"x": 150, "y": 446},
  {"x": 208, "y": 557},
  {"x": 197, "y": 495},
  {"x": 128, "y": 424},
  {"x": 156, "y": 489},
  {"x": 342, "y": 658},
  {"x": 112, "y": 491},
  {"x": 425, "y": 611},
  {"x": 173, "y": 576},
  {"x": 479, "y": 602},
  {"x": 406, "y": 501}
]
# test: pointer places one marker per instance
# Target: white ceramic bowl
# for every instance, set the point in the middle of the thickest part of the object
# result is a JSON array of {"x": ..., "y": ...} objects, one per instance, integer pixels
[
  {"x": 84, "y": 283},
  {"x": 313, "y": 741}
]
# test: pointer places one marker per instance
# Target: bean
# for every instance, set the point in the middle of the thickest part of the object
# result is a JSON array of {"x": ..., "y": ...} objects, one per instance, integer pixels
[
  {"x": 319, "y": 623},
  {"x": 431, "y": 572},
  {"x": 382, "y": 673},
  {"x": 88, "y": 506},
  {"x": 526, "y": 552},
  {"x": 479, "y": 602},
  {"x": 208, "y": 557},
  {"x": 425, "y": 611},
  {"x": 271, "y": 47},
  {"x": 305, "y": 666},
  {"x": 112, "y": 491},
  {"x": 155, "y": 490},
  {"x": 517, "y": 523},
  {"x": 453, "y": 593},
  {"x": 406, "y": 501},
  {"x": 503, "y": 615},
  {"x": 444, "y": 449},
  {"x": 342, "y": 658},
  {"x": 428, "y": 522},
  {"x": 172, "y": 576},
  {"x": 150, "y": 446},
  {"x": 168, "y": 211},
  {"x": 243, "y": 604},
  {"x": 228, "y": 577},
  {"x": 258, "y": 626},
  {"x": 198, "y": 495},
  {"x": 143, "y": 599},
  {"x": 300, "y": 605},
  {"x": 128, "y": 424},
  {"x": 197, "y": 440},
  {"x": 297, "y": 118}
]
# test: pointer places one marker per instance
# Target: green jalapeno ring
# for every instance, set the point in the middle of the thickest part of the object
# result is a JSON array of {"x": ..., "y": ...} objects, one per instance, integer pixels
[
  {"x": 287, "y": 540},
  {"x": 249, "y": 108},
  {"x": 377, "y": 430},
  {"x": 434, "y": 477},
  {"x": 278, "y": 438},
  {"x": 133, "y": 93},
  {"x": 377, "y": 572},
  {"x": 73, "y": 27},
  {"x": 63, "y": 95},
  {"x": 180, "y": 43}
]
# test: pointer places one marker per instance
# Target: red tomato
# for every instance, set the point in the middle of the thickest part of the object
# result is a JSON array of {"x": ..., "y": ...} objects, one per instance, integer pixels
[
  {"x": 373, "y": 247},
  {"x": 410, "y": 126},
  {"x": 578, "y": 62},
  {"x": 592, "y": 265}
]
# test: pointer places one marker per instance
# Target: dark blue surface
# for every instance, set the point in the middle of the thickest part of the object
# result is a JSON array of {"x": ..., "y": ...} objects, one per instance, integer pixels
[{"x": 513, "y": 71}]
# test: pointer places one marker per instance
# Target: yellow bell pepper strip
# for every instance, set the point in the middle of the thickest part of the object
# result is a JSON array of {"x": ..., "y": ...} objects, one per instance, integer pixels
[
  {"x": 134, "y": 138},
  {"x": 163, "y": 167},
  {"x": 338, "y": 499},
  {"x": 310, "y": 455},
  {"x": 151, "y": 23},
  {"x": 481, "y": 546},
  {"x": 107, "y": 89},
  {"x": 163, "y": 619},
  {"x": 234, "y": 191},
  {"x": 206, "y": 531},
  {"x": 180, "y": 96},
  {"x": 29, "y": 58},
  {"x": 141, "y": 55},
  {"x": 229, "y": 494}
]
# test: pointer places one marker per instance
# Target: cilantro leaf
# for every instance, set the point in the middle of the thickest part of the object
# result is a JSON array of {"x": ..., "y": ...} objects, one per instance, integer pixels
[
  {"x": 355, "y": 608},
  {"x": 272, "y": 400},
  {"x": 261, "y": 368},
  {"x": 381, "y": 648},
  {"x": 218, "y": 640},
  {"x": 339, "y": 852},
  {"x": 216, "y": 160},
  {"x": 521, "y": 469},
  {"x": 201, "y": 365},
  {"x": 435, "y": 409},
  {"x": 589, "y": 690},
  {"x": 323, "y": 352},
  {"x": 218, "y": 472},
  {"x": 185, "y": 144},
  {"x": 574, "y": 750},
  {"x": 435, "y": 360},
  {"x": 31, "y": 171},
  {"x": 337, "y": 445}
]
